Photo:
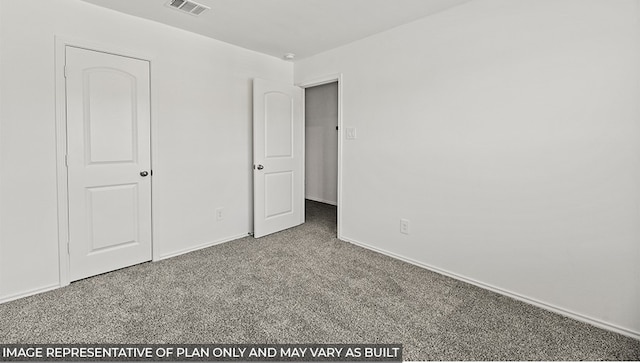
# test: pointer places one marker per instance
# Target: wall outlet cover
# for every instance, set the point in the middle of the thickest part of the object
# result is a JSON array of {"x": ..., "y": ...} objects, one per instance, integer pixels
[{"x": 404, "y": 226}]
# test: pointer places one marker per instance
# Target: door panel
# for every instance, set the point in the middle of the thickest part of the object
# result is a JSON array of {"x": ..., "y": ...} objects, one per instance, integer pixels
[
  {"x": 278, "y": 174},
  {"x": 111, "y": 116},
  {"x": 278, "y": 194},
  {"x": 112, "y": 217},
  {"x": 278, "y": 125},
  {"x": 108, "y": 146}
]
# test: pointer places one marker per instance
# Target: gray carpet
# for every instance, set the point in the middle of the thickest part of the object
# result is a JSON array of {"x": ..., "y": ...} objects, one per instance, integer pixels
[{"x": 304, "y": 286}]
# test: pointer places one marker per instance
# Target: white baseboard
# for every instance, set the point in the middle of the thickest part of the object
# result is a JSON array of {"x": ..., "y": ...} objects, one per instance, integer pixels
[
  {"x": 199, "y": 247},
  {"x": 558, "y": 310},
  {"x": 20, "y": 295},
  {"x": 320, "y": 200},
  {"x": 28, "y": 293}
]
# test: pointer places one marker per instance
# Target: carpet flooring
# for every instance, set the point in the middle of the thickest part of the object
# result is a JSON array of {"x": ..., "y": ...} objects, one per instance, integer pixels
[{"x": 302, "y": 285}]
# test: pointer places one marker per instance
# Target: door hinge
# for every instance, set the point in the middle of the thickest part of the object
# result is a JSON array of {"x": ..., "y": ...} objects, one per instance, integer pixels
[
  {"x": 65, "y": 71},
  {"x": 66, "y": 160},
  {"x": 69, "y": 248}
]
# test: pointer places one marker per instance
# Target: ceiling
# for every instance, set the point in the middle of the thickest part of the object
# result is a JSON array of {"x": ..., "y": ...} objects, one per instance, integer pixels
[{"x": 276, "y": 27}]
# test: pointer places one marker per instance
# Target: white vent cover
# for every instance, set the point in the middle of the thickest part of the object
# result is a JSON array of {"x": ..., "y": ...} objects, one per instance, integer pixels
[{"x": 188, "y": 6}]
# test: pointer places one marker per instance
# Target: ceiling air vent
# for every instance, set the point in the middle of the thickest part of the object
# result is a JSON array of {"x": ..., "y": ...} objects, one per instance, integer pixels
[{"x": 187, "y": 6}]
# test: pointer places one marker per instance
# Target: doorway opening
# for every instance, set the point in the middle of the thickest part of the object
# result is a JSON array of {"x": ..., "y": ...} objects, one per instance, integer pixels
[
  {"x": 323, "y": 145},
  {"x": 279, "y": 151}
]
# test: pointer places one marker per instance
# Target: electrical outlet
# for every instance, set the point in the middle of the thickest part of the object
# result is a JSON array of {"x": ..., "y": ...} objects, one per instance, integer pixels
[
  {"x": 404, "y": 226},
  {"x": 219, "y": 214}
]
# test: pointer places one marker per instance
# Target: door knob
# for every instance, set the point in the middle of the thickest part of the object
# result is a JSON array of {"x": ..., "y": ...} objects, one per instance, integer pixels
[
  {"x": 260, "y": 167},
  {"x": 144, "y": 173}
]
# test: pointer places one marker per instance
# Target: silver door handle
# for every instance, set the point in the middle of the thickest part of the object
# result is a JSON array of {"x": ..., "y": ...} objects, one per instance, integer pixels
[
  {"x": 144, "y": 173},
  {"x": 260, "y": 167}
]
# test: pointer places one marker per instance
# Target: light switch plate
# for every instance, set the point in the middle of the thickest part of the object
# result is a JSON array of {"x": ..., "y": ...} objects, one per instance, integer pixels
[{"x": 351, "y": 133}]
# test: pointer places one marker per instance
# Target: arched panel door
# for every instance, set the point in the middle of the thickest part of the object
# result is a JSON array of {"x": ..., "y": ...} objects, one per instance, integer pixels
[
  {"x": 109, "y": 161},
  {"x": 278, "y": 155}
]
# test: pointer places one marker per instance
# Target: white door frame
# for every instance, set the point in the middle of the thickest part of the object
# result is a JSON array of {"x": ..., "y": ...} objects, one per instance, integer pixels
[
  {"x": 318, "y": 82},
  {"x": 61, "y": 141}
]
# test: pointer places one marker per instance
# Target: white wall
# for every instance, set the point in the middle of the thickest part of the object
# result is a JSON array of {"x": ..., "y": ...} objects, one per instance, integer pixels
[
  {"x": 321, "y": 143},
  {"x": 1, "y": 82},
  {"x": 508, "y": 133},
  {"x": 202, "y": 119}
]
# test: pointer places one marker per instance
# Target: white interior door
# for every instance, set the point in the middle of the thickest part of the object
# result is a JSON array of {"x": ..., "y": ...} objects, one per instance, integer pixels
[
  {"x": 109, "y": 160},
  {"x": 278, "y": 157}
]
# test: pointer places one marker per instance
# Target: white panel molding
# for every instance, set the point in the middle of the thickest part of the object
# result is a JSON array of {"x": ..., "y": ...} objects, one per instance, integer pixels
[
  {"x": 27, "y": 293},
  {"x": 546, "y": 306},
  {"x": 320, "y": 200},
  {"x": 60, "y": 44},
  {"x": 199, "y": 247},
  {"x": 318, "y": 82}
]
